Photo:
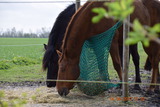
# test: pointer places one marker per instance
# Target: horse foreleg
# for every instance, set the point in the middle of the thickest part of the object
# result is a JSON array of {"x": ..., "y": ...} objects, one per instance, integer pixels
[
  {"x": 135, "y": 56},
  {"x": 114, "y": 52}
]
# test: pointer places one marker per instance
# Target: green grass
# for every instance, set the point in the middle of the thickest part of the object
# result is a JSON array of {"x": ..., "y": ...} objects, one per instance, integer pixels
[
  {"x": 23, "y": 63},
  {"x": 20, "y": 62},
  {"x": 33, "y": 51},
  {"x": 143, "y": 56},
  {"x": 23, "y": 73}
]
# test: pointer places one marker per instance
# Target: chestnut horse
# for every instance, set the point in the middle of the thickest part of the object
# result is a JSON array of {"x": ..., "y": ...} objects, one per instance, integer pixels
[
  {"x": 154, "y": 9},
  {"x": 50, "y": 59},
  {"x": 80, "y": 29},
  {"x": 153, "y": 51}
]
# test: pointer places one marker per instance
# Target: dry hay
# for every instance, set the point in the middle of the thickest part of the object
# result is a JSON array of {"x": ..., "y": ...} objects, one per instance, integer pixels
[{"x": 49, "y": 97}]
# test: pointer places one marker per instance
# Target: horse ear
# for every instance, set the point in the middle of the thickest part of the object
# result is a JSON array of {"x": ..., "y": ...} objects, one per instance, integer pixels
[
  {"x": 59, "y": 53},
  {"x": 45, "y": 46}
]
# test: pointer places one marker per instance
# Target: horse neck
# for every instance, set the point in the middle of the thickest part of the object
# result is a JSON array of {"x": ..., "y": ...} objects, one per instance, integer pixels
[
  {"x": 74, "y": 39},
  {"x": 74, "y": 47},
  {"x": 80, "y": 29}
]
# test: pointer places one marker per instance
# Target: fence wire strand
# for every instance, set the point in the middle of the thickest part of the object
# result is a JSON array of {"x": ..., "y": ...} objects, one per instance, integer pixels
[
  {"x": 22, "y": 45},
  {"x": 35, "y": 1},
  {"x": 60, "y": 1},
  {"x": 84, "y": 81},
  {"x": 76, "y": 81}
]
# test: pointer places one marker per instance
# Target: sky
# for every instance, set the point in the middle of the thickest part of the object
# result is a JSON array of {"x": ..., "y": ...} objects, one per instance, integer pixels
[{"x": 30, "y": 17}]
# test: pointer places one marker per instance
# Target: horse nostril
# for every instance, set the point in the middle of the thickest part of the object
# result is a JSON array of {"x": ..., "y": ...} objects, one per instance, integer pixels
[{"x": 63, "y": 92}]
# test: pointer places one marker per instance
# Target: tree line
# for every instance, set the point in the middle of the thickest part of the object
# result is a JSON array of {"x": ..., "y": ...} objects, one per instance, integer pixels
[{"x": 13, "y": 33}]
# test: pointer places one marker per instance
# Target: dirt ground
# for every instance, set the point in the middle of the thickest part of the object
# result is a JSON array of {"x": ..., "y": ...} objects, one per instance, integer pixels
[{"x": 38, "y": 95}]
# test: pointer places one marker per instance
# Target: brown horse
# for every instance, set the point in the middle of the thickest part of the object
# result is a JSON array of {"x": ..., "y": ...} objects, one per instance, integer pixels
[
  {"x": 153, "y": 51},
  {"x": 50, "y": 59},
  {"x": 80, "y": 29},
  {"x": 153, "y": 7}
]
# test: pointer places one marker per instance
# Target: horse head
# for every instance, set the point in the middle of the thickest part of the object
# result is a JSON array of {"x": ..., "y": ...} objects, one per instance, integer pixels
[
  {"x": 50, "y": 64},
  {"x": 50, "y": 59},
  {"x": 68, "y": 70}
]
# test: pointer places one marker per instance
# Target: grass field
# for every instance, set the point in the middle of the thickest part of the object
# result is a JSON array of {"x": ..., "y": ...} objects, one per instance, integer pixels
[
  {"x": 25, "y": 47},
  {"x": 20, "y": 59},
  {"x": 143, "y": 56}
]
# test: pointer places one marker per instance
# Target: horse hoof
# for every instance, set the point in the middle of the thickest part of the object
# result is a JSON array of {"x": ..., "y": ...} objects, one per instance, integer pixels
[{"x": 137, "y": 87}]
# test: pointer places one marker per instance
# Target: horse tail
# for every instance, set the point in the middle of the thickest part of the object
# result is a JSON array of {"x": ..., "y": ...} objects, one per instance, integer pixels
[{"x": 56, "y": 35}]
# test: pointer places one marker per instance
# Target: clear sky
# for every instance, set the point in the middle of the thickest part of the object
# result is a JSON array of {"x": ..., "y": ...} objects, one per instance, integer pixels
[{"x": 30, "y": 16}]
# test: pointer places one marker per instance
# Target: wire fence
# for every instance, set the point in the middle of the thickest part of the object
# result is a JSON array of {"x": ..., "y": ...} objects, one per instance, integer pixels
[
  {"x": 75, "y": 81},
  {"x": 60, "y": 1},
  {"x": 110, "y": 66},
  {"x": 86, "y": 81},
  {"x": 22, "y": 45},
  {"x": 36, "y": 1}
]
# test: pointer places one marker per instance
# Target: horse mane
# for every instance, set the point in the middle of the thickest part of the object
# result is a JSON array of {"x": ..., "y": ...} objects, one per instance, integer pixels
[
  {"x": 71, "y": 23},
  {"x": 57, "y": 33},
  {"x": 61, "y": 21}
]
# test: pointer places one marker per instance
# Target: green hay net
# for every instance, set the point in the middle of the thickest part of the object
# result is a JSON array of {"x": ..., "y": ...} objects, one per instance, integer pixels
[{"x": 94, "y": 62}]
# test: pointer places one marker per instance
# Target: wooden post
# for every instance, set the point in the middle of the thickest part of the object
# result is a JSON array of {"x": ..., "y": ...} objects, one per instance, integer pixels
[
  {"x": 78, "y": 3},
  {"x": 125, "y": 92}
]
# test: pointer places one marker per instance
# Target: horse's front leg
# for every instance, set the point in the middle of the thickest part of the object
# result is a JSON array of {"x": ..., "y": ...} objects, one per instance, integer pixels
[{"x": 114, "y": 52}]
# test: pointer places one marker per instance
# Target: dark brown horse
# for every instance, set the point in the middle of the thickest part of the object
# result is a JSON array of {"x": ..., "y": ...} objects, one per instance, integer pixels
[
  {"x": 154, "y": 9},
  {"x": 80, "y": 29},
  {"x": 153, "y": 51},
  {"x": 50, "y": 58}
]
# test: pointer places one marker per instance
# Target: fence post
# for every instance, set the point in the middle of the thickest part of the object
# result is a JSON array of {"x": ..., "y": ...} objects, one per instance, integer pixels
[
  {"x": 125, "y": 59},
  {"x": 77, "y": 4}
]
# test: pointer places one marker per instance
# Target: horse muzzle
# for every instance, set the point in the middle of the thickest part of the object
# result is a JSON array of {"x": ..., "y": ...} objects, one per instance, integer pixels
[{"x": 63, "y": 92}]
